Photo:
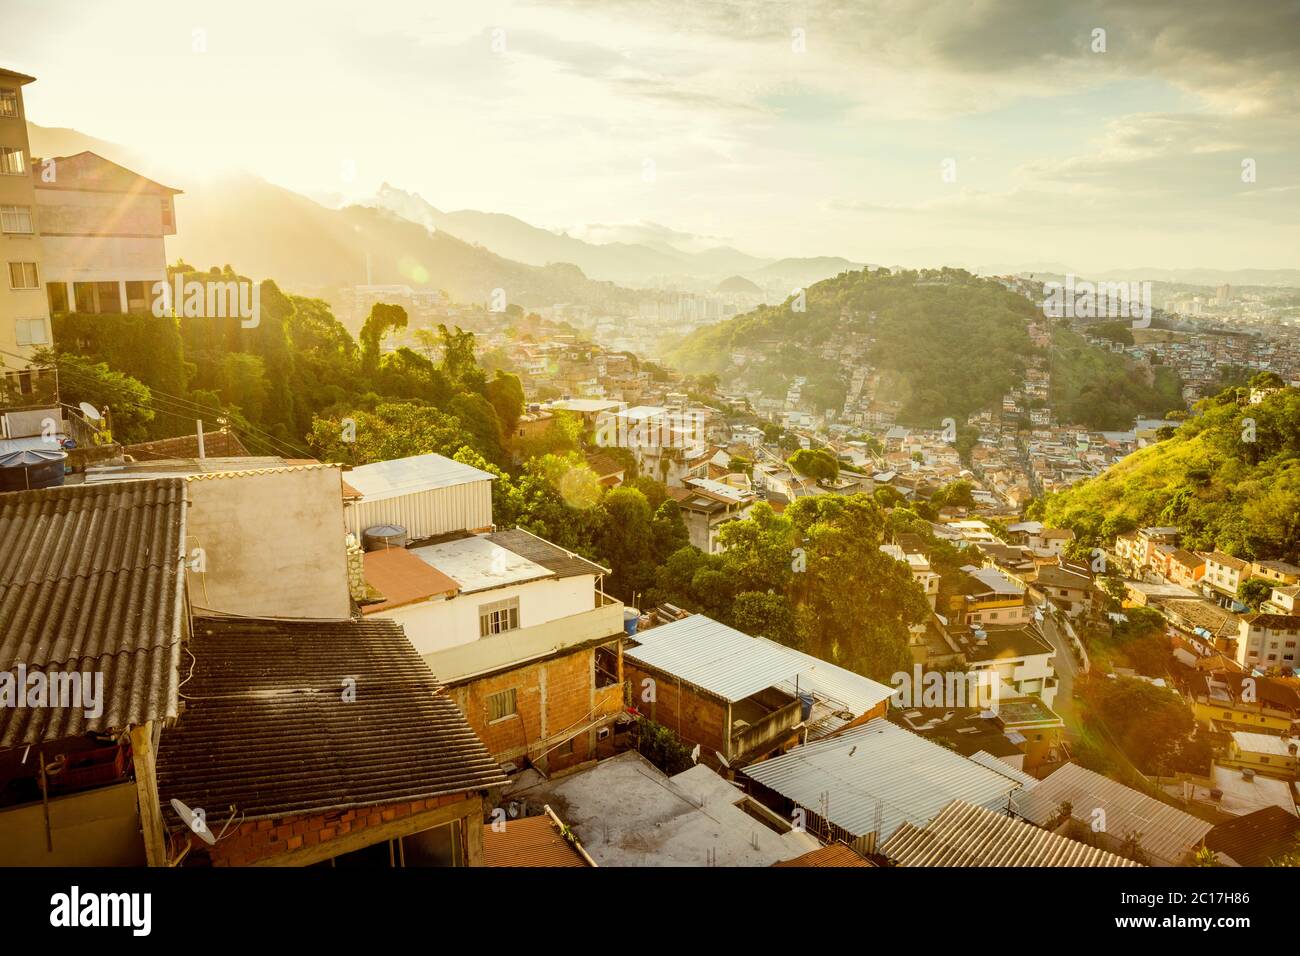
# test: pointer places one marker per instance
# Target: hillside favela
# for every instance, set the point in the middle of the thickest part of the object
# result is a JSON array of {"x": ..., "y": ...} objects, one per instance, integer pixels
[{"x": 641, "y": 435}]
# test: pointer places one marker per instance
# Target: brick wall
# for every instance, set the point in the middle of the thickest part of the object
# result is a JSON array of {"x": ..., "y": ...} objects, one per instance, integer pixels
[
  {"x": 260, "y": 840},
  {"x": 691, "y": 716},
  {"x": 552, "y": 699}
]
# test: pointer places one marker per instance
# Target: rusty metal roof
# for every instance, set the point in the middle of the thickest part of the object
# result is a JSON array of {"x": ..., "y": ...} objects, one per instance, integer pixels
[
  {"x": 529, "y": 841},
  {"x": 403, "y": 578},
  {"x": 832, "y": 855},
  {"x": 91, "y": 582},
  {"x": 267, "y": 725}
]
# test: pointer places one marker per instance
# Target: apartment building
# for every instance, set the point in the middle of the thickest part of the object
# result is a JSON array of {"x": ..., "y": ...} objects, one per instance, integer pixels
[
  {"x": 24, "y": 316},
  {"x": 102, "y": 231},
  {"x": 1268, "y": 640}
]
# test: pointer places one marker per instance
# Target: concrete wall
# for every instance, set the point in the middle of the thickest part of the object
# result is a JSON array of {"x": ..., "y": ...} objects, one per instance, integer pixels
[
  {"x": 98, "y": 827},
  {"x": 272, "y": 543},
  {"x": 434, "y": 626}
]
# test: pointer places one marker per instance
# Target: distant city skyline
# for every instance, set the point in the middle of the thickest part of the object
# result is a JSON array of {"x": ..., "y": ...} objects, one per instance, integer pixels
[{"x": 893, "y": 133}]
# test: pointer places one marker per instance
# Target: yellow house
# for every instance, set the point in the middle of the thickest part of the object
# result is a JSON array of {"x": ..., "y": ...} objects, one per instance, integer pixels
[
  {"x": 1231, "y": 701},
  {"x": 1272, "y": 755}
]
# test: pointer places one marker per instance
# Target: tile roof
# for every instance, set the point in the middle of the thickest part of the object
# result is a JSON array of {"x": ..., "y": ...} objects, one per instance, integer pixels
[
  {"x": 402, "y": 578},
  {"x": 91, "y": 581},
  {"x": 564, "y": 563},
  {"x": 216, "y": 444},
  {"x": 832, "y": 855},
  {"x": 91, "y": 172},
  {"x": 1167, "y": 833},
  {"x": 530, "y": 841},
  {"x": 266, "y": 727},
  {"x": 876, "y": 777},
  {"x": 1255, "y": 839},
  {"x": 967, "y": 835}
]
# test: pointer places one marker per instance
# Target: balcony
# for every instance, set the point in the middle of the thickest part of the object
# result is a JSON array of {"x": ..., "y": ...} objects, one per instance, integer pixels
[{"x": 760, "y": 720}]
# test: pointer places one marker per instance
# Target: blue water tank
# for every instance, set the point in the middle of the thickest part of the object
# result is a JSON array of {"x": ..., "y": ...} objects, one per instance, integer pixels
[
  {"x": 32, "y": 468},
  {"x": 631, "y": 616},
  {"x": 806, "y": 703}
]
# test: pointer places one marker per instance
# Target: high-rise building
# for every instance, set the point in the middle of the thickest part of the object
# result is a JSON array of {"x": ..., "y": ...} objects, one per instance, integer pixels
[{"x": 24, "y": 313}]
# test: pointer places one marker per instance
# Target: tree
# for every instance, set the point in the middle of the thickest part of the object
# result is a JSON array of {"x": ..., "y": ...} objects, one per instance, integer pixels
[
  {"x": 81, "y": 380},
  {"x": 383, "y": 318},
  {"x": 1254, "y": 592},
  {"x": 815, "y": 463}
]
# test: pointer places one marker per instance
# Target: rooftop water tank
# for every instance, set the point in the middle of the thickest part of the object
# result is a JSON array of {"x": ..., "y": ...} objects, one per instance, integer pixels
[
  {"x": 381, "y": 537},
  {"x": 32, "y": 468},
  {"x": 630, "y": 618}
]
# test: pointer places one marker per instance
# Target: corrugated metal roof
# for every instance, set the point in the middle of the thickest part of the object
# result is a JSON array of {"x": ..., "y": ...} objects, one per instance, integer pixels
[
  {"x": 997, "y": 764},
  {"x": 967, "y": 835},
  {"x": 876, "y": 777},
  {"x": 404, "y": 476},
  {"x": 1167, "y": 833},
  {"x": 530, "y": 841},
  {"x": 267, "y": 728},
  {"x": 402, "y": 578},
  {"x": 714, "y": 657},
  {"x": 91, "y": 582},
  {"x": 832, "y": 684}
]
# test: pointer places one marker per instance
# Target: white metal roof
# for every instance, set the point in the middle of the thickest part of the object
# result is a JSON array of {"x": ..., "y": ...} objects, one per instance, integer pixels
[
  {"x": 477, "y": 564},
  {"x": 876, "y": 777},
  {"x": 967, "y": 835},
  {"x": 714, "y": 657},
  {"x": 405, "y": 476},
  {"x": 998, "y": 765},
  {"x": 830, "y": 683},
  {"x": 1167, "y": 833}
]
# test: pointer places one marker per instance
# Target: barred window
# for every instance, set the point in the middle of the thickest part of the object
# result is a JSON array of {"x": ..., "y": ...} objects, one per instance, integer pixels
[
  {"x": 502, "y": 704},
  {"x": 498, "y": 617}
]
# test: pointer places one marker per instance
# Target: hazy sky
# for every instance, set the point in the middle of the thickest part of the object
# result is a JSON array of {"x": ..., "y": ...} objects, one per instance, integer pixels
[{"x": 816, "y": 128}]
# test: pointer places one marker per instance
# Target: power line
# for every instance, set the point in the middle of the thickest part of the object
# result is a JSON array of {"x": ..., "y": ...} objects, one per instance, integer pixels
[{"x": 277, "y": 446}]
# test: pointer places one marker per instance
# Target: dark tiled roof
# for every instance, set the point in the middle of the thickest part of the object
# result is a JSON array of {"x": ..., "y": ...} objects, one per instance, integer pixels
[
  {"x": 565, "y": 564},
  {"x": 216, "y": 444},
  {"x": 266, "y": 727},
  {"x": 1256, "y": 838},
  {"x": 91, "y": 581}
]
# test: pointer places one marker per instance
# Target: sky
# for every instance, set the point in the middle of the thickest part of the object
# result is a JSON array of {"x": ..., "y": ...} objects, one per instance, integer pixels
[{"x": 1092, "y": 134}]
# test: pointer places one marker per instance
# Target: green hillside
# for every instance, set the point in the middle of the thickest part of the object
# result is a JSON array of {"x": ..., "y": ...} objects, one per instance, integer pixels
[
  {"x": 1229, "y": 477},
  {"x": 949, "y": 343}
]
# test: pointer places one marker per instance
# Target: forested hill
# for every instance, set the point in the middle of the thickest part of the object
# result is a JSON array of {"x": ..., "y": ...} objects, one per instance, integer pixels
[
  {"x": 947, "y": 343},
  {"x": 1229, "y": 477}
]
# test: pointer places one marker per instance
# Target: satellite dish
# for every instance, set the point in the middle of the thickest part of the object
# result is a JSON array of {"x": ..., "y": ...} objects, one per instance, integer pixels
[
  {"x": 90, "y": 411},
  {"x": 722, "y": 759},
  {"x": 194, "y": 821}
]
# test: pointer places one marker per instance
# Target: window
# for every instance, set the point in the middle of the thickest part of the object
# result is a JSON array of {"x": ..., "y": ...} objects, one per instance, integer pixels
[
  {"x": 8, "y": 102},
  {"x": 30, "y": 332},
  {"x": 12, "y": 161},
  {"x": 502, "y": 704},
  {"x": 498, "y": 617},
  {"x": 58, "y": 296},
  {"x": 22, "y": 275},
  {"x": 16, "y": 219}
]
